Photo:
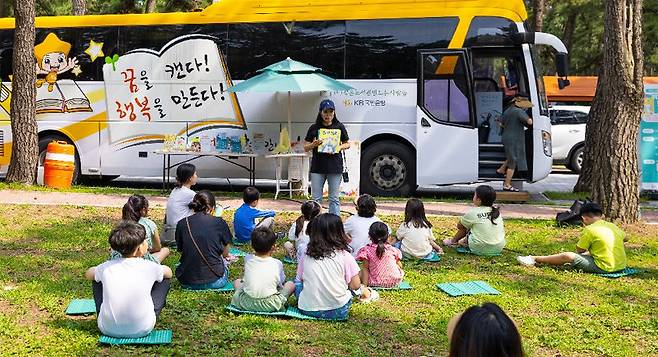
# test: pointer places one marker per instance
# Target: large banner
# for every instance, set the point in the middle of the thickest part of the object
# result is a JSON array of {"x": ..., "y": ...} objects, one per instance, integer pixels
[{"x": 649, "y": 139}]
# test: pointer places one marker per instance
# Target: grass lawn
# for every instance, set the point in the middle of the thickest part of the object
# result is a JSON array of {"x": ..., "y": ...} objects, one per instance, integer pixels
[{"x": 45, "y": 250}]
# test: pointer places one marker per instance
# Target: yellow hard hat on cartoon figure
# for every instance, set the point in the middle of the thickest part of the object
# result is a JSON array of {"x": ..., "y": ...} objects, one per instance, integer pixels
[{"x": 51, "y": 44}]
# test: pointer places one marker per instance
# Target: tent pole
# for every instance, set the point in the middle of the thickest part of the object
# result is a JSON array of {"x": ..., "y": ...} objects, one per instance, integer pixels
[{"x": 289, "y": 116}]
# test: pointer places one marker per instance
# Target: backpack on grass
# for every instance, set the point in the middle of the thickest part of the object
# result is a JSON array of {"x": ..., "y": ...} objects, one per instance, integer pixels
[{"x": 572, "y": 216}]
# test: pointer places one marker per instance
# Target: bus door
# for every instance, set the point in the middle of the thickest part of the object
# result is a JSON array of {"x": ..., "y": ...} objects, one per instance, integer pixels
[{"x": 446, "y": 135}]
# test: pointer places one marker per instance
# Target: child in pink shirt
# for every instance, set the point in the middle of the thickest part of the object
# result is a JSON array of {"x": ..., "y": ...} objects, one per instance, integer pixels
[{"x": 381, "y": 262}]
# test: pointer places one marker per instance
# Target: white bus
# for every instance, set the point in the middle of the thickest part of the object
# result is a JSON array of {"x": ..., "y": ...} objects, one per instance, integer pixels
[{"x": 426, "y": 75}]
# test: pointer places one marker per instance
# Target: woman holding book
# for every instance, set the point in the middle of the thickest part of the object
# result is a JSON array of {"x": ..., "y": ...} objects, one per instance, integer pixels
[{"x": 327, "y": 138}]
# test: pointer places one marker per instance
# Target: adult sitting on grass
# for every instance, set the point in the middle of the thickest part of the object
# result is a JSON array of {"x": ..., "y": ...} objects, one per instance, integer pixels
[
  {"x": 179, "y": 200},
  {"x": 129, "y": 292},
  {"x": 484, "y": 331},
  {"x": 600, "y": 249},
  {"x": 204, "y": 241}
]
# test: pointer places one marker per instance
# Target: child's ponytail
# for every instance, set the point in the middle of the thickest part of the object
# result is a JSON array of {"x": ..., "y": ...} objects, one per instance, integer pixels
[
  {"x": 310, "y": 209},
  {"x": 378, "y": 233},
  {"x": 487, "y": 196},
  {"x": 132, "y": 210}
]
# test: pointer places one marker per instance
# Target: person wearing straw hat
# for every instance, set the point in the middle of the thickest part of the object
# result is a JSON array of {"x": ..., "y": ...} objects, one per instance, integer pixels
[
  {"x": 327, "y": 138},
  {"x": 513, "y": 121}
]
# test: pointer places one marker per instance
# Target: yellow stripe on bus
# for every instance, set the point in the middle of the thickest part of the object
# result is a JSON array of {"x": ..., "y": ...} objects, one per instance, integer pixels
[
  {"x": 84, "y": 128},
  {"x": 235, "y": 11}
]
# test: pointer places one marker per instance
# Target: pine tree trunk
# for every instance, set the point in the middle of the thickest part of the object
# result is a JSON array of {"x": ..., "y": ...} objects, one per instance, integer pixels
[
  {"x": 569, "y": 29},
  {"x": 150, "y": 6},
  {"x": 79, "y": 7},
  {"x": 25, "y": 149},
  {"x": 538, "y": 10},
  {"x": 610, "y": 169}
]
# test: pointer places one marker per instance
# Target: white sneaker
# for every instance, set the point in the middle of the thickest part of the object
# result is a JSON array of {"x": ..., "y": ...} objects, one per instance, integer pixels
[
  {"x": 374, "y": 296},
  {"x": 527, "y": 260}
]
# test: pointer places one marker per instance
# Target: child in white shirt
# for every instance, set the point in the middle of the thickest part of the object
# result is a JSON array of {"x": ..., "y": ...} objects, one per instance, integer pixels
[
  {"x": 263, "y": 287},
  {"x": 129, "y": 292},
  {"x": 328, "y": 271},
  {"x": 415, "y": 237},
  {"x": 357, "y": 226},
  {"x": 297, "y": 237}
]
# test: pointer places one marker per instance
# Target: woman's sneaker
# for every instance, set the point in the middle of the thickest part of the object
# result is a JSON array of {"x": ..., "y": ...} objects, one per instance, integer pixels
[{"x": 527, "y": 260}]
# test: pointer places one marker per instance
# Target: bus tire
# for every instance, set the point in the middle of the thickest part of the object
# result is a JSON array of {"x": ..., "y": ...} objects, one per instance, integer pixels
[
  {"x": 43, "y": 145},
  {"x": 388, "y": 168}
]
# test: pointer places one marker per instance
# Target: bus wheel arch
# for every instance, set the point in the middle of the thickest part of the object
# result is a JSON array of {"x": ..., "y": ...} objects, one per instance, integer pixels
[
  {"x": 45, "y": 137},
  {"x": 388, "y": 166}
]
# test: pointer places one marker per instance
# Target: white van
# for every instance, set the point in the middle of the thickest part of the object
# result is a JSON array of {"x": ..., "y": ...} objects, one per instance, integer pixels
[{"x": 568, "y": 126}]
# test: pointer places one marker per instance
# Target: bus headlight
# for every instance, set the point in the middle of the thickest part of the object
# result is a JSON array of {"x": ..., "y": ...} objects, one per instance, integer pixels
[{"x": 546, "y": 141}]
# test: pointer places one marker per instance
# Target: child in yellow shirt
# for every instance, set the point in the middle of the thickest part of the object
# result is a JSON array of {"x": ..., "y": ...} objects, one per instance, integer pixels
[{"x": 600, "y": 248}]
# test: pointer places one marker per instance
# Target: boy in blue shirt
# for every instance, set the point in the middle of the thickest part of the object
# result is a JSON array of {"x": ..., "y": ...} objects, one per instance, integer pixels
[{"x": 244, "y": 220}]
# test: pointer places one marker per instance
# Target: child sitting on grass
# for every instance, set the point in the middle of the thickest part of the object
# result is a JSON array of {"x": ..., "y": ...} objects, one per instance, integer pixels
[
  {"x": 129, "y": 292},
  {"x": 244, "y": 219},
  {"x": 484, "y": 331},
  {"x": 328, "y": 271},
  {"x": 297, "y": 237},
  {"x": 381, "y": 263},
  {"x": 600, "y": 249},
  {"x": 481, "y": 228},
  {"x": 263, "y": 287},
  {"x": 136, "y": 210},
  {"x": 357, "y": 226},
  {"x": 415, "y": 237}
]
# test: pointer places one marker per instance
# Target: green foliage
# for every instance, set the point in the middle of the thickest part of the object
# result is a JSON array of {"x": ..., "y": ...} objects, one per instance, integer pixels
[{"x": 45, "y": 250}]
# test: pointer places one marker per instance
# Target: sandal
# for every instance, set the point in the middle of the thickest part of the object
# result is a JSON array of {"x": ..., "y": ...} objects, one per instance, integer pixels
[{"x": 510, "y": 189}]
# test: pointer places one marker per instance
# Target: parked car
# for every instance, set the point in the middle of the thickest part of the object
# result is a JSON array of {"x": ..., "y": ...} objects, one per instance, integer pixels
[{"x": 568, "y": 127}]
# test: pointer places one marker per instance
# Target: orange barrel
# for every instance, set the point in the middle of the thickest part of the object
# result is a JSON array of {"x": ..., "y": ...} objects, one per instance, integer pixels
[{"x": 59, "y": 165}]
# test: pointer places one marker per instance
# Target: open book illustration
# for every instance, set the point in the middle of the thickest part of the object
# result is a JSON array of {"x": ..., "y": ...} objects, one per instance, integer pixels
[
  {"x": 67, "y": 97},
  {"x": 330, "y": 141}
]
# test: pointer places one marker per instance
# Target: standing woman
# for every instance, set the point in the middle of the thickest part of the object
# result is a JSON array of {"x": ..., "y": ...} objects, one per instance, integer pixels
[
  {"x": 326, "y": 166},
  {"x": 513, "y": 122}
]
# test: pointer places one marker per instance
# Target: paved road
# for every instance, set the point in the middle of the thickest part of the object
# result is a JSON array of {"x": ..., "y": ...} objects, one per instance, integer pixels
[{"x": 560, "y": 180}]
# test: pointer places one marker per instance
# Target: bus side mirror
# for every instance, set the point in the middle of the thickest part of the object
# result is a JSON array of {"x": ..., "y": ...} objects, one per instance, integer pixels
[{"x": 562, "y": 64}]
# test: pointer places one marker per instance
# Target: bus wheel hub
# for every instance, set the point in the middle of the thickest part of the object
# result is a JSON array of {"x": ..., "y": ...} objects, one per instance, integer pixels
[{"x": 388, "y": 172}]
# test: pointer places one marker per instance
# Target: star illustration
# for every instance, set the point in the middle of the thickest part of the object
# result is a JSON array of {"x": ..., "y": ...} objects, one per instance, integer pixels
[
  {"x": 76, "y": 70},
  {"x": 95, "y": 50}
]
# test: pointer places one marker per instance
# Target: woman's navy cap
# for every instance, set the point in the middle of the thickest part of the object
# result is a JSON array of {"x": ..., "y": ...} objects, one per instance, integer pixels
[{"x": 327, "y": 104}]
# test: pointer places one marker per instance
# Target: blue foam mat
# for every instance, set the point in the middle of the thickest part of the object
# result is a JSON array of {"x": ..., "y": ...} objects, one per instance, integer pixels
[
  {"x": 156, "y": 337},
  {"x": 237, "y": 252},
  {"x": 228, "y": 288},
  {"x": 467, "y": 288},
  {"x": 404, "y": 285},
  {"x": 619, "y": 274},
  {"x": 435, "y": 258},
  {"x": 81, "y": 307}
]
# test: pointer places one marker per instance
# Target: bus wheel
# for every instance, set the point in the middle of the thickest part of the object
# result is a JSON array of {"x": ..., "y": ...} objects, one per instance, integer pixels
[
  {"x": 388, "y": 168},
  {"x": 43, "y": 145}
]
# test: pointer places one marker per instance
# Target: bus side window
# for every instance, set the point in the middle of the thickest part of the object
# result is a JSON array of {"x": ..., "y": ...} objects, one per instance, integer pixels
[
  {"x": 382, "y": 49},
  {"x": 445, "y": 92},
  {"x": 6, "y": 63}
]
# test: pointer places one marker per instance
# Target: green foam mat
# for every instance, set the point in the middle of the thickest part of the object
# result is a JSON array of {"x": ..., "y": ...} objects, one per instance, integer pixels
[
  {"x": 237, "y": 252},
  {"x": 466, "y": 250},
  {"x": 228, "y": 288},
  {"x": 81, "y": 307},
  {"x": 236, "y": 243},
  {"x": 467, "y": 288},
  {"x": 404, "y": 285},
  {"x": 288, "y": 260},
  {"x": 297, "y": 314},
  {"x": 156, "y": 337},
  {"x": 240, "y": 311},
  {"x": 619, "y": 274}
]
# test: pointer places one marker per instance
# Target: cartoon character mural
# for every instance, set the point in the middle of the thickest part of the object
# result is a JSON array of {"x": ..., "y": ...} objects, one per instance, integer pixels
[
  {"x": 55, "y": 95},
  {"x": 53, "y": 59}
]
